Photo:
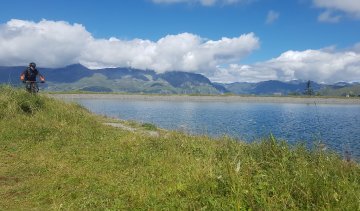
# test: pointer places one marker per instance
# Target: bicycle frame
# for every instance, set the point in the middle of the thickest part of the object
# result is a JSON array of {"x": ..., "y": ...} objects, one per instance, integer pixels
[{"x": 32, "y": 87}]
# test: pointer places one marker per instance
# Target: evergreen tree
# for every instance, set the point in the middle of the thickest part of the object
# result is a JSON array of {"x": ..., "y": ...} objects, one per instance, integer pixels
[{"x": 308, "y": 90}]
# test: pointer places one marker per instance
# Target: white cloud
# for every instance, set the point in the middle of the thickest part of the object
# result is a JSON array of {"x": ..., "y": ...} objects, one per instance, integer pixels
[
  {"x": 348, "y": 7},
  {"x": 242, "y": 73},
  {"x": 324, "y": 65},
  {"x": 329, "y": 17},
  {"x": 57, "y": 44},
  {"x": 54, "y": 43},
  {"x": 272, "y": 17},
  {"x": 356, "y": 47},
  {"x": 186, "y": 52},
  {"x": 202, "y": 2}
]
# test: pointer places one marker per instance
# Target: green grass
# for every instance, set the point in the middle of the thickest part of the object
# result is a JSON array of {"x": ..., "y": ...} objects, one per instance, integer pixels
[
  {"x": 59, "y": 156},
  {"x": 149, "y": 126}
]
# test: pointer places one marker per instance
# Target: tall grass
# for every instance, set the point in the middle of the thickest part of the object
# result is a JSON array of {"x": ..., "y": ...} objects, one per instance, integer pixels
[{"x": 59, "y": 156}]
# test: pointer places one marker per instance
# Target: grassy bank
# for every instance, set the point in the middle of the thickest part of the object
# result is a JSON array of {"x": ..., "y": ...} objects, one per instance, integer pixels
[{"x": 55, "y": 155}]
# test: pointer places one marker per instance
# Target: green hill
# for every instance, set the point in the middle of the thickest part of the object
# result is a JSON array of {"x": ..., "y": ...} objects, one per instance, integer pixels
[
  {"x": 59, "y": 156},
  {"x": 352, "y": 91}
]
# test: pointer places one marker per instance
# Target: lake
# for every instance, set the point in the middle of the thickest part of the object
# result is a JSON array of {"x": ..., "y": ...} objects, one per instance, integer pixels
[{"x": 336, "y": 126}]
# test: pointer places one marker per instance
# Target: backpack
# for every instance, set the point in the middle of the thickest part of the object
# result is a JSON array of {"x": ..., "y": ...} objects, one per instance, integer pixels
[{"x": 31, "y": 74}]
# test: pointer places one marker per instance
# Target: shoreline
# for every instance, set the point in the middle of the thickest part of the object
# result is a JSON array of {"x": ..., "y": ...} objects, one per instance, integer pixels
[{"x": 240, "y": 99}]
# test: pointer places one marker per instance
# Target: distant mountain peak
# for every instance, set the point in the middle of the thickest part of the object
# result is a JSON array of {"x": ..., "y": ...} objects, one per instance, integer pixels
[
  {"x": 341, "y": 83},
  {"x": 77, "y": 65}
]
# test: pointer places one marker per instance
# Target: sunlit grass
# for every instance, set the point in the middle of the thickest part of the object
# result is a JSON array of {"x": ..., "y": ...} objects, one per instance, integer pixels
[{"x": 59, "y": 156}]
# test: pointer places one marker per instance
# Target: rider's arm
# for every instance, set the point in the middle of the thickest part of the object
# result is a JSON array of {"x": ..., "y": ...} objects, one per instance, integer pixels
[
  {"x": 22, "y": 76},
  {"x": 42, "y": 78}
]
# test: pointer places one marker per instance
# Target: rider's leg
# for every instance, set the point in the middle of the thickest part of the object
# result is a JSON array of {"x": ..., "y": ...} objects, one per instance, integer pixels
[
  {"x": 28, "y": 87},
  {"x": 36, "y": 88}
]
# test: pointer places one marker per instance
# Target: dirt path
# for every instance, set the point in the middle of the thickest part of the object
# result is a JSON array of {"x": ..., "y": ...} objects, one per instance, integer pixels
[{"x": 132, "y": 129}]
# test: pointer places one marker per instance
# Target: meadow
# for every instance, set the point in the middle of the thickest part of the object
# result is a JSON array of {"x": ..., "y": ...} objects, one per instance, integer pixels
[{"x": 56, "y": 155}]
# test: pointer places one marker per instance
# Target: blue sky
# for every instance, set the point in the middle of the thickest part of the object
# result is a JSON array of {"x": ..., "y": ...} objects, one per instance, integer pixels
[{"x": 231, "y": 40}]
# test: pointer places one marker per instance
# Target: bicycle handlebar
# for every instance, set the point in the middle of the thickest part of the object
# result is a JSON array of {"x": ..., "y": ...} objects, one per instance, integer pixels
[{"x": 34, "y": 82}]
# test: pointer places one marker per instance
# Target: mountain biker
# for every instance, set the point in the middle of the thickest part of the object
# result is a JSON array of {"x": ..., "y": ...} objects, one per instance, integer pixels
[{"x": 28, "y": 76}]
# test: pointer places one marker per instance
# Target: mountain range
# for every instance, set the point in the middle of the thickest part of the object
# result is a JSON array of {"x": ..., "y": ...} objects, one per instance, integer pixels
[{"x": 79, "y": 78}]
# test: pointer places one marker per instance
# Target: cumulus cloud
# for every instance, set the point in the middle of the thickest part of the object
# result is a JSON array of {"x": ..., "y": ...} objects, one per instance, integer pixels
[
  {"x": 54, "y": 43},
  {"x": 324, "y": 65},
  {"x": 202, "y": 2},
  {"x": 186, "y": 52},
  {"x": 348, "y": 7},
  {"x": 272, "y": 17},
  {"x": 58, "y": 43}
]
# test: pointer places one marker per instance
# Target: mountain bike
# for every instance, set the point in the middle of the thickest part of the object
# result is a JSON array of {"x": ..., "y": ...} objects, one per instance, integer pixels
[{"x": 32, "y": 86}]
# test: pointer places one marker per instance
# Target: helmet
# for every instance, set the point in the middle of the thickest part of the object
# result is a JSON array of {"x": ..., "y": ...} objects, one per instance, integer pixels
[{"x": 32, "y": 64}]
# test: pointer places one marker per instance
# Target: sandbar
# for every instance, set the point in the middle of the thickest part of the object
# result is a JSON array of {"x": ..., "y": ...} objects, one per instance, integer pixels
[{"x": 213, "y": 98}]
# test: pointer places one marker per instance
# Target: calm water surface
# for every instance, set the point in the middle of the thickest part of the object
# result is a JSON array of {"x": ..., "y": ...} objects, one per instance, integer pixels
[{"x": 337, "y": 126}]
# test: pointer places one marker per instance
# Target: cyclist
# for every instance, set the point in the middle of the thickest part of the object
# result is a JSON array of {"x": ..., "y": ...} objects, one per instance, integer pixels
[{"x": 28, "y": 76}]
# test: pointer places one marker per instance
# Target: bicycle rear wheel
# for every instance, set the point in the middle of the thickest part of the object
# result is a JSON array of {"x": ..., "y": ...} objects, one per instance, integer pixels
[{"x": 33, "y": 88}]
